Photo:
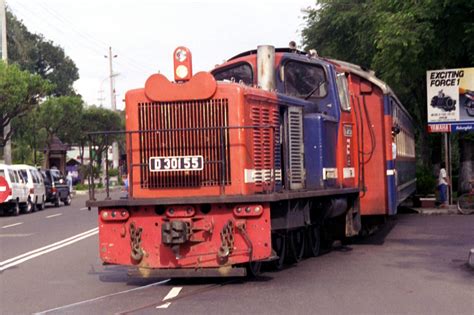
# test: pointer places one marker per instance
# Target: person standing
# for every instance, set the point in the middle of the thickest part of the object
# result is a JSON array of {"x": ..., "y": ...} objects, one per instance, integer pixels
[
  {"x": 69, "y": 181},
  {"x": 443, "y": 183}
]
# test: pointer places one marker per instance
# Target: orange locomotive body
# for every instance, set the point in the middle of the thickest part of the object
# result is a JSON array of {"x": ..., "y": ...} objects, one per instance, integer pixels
[{"x": 256, "y": 161}]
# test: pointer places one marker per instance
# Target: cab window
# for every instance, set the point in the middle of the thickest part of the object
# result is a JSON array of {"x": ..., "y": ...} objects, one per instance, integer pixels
[
  {"x": 343, "y": 91},
  {"x": 241, "y": 72},
  {"x": 304, "y": 80}
]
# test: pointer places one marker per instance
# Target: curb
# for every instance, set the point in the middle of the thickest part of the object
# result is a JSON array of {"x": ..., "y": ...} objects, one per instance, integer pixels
[
  {"x": 436, "y": 211},
  {"x": 97, "y": 191}
]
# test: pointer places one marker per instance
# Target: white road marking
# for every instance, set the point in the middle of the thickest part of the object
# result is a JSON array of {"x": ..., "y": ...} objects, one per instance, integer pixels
[
  {"x": 82, "y": 209},
  {"x": 102, "y": 297},
  {"x": 54, "y": 215},
  {"x": 46, "y": 249},
  {"x": 14, "y": 224},
  {"x": 173, "y": 293},
  {"x": 15, "y": 235}
]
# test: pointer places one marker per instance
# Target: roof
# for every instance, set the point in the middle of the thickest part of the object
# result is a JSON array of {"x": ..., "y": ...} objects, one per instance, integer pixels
[{"x": 58, "y": 145}]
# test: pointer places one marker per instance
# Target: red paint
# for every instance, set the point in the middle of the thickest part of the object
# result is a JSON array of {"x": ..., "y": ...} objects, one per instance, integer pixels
[
  {"x": 200, "y": 86},
  {"x": 372, "y": 162},
  {"x": 4, "y": 193},
  {"x": 201, "y": 251},
  {"x": 243, "y": 103}
]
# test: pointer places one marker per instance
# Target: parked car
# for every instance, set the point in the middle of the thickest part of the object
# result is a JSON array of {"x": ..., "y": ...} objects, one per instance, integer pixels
[
  {"x": 13, "y": 191},
  {"x": 35, "y": 183},
  {"x": 56, "y": 187}
]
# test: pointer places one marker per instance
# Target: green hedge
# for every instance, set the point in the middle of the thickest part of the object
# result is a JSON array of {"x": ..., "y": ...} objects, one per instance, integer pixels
[{"x": 425, "y": 181}]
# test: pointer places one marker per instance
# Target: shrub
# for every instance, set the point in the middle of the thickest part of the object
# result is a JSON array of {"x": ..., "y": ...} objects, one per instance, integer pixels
[
  {"x": 81, "y": 187},
  {"x": 113, "y": 172},
  {"x": 425, "y": 181}
]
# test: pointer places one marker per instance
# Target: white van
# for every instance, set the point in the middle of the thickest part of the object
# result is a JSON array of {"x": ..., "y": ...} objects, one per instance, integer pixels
[
  {"x": 35, "y": 183},
  {"x": 14, "y": 193}
]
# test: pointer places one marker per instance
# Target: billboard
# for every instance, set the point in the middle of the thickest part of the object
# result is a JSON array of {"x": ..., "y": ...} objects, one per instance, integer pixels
[{"x": 450, "y": 96}]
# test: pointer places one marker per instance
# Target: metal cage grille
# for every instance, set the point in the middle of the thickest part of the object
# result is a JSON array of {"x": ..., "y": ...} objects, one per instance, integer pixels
[{"x": 187, "y": 128}]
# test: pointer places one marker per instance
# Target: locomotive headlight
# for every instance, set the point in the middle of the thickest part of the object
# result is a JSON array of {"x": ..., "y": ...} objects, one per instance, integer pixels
[
  {"x": 182, "y": 71},
  {"x": 181, "y": 55},
  {"x": 183, "y": 65}
]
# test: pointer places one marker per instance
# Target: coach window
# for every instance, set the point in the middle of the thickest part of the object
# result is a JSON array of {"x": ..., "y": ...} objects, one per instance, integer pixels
[
  {"x": 343, "y": 91},
  {"x": 304, "y": 80},
  {"x": 241, "y": 72}
]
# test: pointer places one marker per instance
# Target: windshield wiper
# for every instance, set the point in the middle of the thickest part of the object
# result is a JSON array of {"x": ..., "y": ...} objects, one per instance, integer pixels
[{"x": 314, "y": 90}]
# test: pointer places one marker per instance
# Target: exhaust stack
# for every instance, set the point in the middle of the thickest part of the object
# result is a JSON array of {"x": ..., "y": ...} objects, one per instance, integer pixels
[{"x": 266, "y": 67}]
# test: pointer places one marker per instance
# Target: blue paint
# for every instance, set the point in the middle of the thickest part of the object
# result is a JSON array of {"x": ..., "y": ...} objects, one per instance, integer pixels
[
  {"x": 313, "y": 147},
  {"x": 387, "y": 105},
  {"x": 391, "y": 189},
  {"x": 320, "y": 140}
]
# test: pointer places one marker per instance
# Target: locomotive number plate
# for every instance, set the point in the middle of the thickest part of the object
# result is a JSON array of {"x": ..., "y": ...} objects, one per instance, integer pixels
[{"x": 176, "y": 163}]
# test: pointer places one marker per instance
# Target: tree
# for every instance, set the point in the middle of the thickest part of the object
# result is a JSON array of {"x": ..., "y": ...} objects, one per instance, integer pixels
[
  {"x": 61, "y": 117},
  {"x": 400, "y": 40},
  {"x": 37, "y": 55},
  {"x": 20, "y": 91},
  {"x": 100, "y": 119}
]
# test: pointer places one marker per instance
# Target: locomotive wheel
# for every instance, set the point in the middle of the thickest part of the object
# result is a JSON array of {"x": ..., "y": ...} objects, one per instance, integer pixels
[
  {"x": 279, "y": 246},
  {"x": 253, "y": 268},
  {"x": 314, "y": 240},
  {"x": 297, "y": 245}
]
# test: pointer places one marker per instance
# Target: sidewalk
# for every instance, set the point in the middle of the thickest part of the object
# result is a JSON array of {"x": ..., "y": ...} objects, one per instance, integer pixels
[
  {"x": 429, "y": 206},
  {"x": 450, "y": 209},
  {"x": 97, "y": 191}
]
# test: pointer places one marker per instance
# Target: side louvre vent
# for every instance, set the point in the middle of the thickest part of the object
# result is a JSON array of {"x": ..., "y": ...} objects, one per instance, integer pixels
[
  {"x": 296, "y": 148},
  {"x": 267, "y": 161}
]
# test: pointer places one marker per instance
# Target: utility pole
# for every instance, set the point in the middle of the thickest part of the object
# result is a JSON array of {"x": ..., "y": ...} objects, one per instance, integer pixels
[
  {"x": 7, "y": 150},
  {"x": 112, "y": 80},
  {"x": 113, "y": 105},
  {"x": 3, "y": 26}
]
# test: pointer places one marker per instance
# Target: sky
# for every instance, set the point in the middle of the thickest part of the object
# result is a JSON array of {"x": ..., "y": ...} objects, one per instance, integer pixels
[{"x": 144, "y": 33}]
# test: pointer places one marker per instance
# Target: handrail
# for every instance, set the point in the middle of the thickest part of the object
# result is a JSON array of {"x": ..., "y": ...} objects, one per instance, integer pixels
[{"x": 131, "y": 165}]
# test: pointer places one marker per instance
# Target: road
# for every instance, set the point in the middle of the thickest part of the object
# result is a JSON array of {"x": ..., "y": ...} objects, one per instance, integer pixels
[{"x": 415, "y": 264}]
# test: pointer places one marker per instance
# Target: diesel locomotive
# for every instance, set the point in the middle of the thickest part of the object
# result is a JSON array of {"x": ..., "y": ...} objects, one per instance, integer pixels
[{"x": 262, "y": 159}]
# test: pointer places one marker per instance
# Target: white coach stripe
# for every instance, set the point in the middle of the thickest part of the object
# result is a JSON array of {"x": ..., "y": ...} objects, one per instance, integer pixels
[
  {"x": 173, "y": 293},
  {"x": 94, "y": 230}
]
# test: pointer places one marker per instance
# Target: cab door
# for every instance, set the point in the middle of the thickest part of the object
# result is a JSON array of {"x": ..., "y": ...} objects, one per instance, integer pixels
[{"x": 347, "y": 141}]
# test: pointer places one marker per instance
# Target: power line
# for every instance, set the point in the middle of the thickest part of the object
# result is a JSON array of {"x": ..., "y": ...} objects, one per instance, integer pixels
[
  {"x": 83, "y": 42},
  {"x": 87, "y": 36}
]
